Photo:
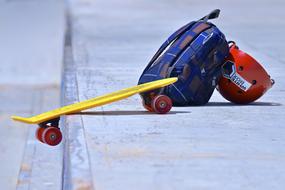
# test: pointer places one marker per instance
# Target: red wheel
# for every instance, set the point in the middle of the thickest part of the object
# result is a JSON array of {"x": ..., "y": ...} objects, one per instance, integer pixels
[
  {"x": 39, "y": 133},
  {"x": 51, "y": 136},
  {"x": 161, "y": 104},
  {"x": 147, "y": 107}
]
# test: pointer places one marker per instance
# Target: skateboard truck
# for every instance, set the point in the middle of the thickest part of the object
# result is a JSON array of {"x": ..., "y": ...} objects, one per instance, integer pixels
[{"x": 53, "y": 122}]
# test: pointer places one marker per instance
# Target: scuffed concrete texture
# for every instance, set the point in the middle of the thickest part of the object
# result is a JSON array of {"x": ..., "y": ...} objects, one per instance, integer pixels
[
  {"x": 22, "y": 154},
  {"x": 217, "y": 146},
  {"x": 12, "y": 148},
  {"x": 44, "y": 162}
]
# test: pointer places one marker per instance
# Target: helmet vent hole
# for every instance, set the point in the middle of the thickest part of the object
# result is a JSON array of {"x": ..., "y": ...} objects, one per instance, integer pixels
[
  {"x": 240, "y": 68},
  {"x": 253, "y": 82},
  {"x": 239, "y": 92}
]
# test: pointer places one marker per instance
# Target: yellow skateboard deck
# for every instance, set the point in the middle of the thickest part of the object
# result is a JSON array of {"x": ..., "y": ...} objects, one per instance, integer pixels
[{"x": 97, "y": 101}]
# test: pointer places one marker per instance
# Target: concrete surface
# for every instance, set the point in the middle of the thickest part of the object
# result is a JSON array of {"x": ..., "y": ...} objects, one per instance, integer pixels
[
  {"x": 217, "y": 146},
  {"x": 31, "y": 35},
  {"x": 31, "y": 51}
]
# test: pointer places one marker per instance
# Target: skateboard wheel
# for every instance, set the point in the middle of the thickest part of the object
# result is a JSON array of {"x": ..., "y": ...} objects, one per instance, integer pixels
[
  {"x": 161, "y": 104},
  {"x": 39, "y": 133},
  {"x": 147, "y": 107},
  {"x": 52, "y": 136}
]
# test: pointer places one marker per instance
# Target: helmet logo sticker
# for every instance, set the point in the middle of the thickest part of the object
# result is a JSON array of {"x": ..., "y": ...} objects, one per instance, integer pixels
[{"x": 229, "y": 72}]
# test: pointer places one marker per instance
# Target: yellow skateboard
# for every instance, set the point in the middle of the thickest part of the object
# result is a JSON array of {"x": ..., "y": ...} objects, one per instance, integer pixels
[{"x": 48, "y": 131}]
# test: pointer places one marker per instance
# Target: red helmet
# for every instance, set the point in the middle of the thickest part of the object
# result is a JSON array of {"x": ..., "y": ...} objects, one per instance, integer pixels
[{"x": 244, "y": 80}]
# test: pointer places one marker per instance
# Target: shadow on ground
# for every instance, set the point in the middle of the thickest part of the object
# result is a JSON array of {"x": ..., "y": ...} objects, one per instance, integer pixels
[
  {"x": 225, "y": 104},
  {"x": 210, "y": 104},
  {"x": 129, "y": 112}
]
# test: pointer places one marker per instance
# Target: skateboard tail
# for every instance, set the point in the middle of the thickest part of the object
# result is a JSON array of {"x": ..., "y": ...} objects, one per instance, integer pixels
[{"x": 22, "y": 119}]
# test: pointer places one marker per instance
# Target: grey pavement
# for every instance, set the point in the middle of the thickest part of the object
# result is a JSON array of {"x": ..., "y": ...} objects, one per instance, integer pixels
[
  {"x": 217, "y": 146},
  {"x": 121, "y": 146},
  {"x": 31, "y": 52},
  {"x": 31, "y": 41}
]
